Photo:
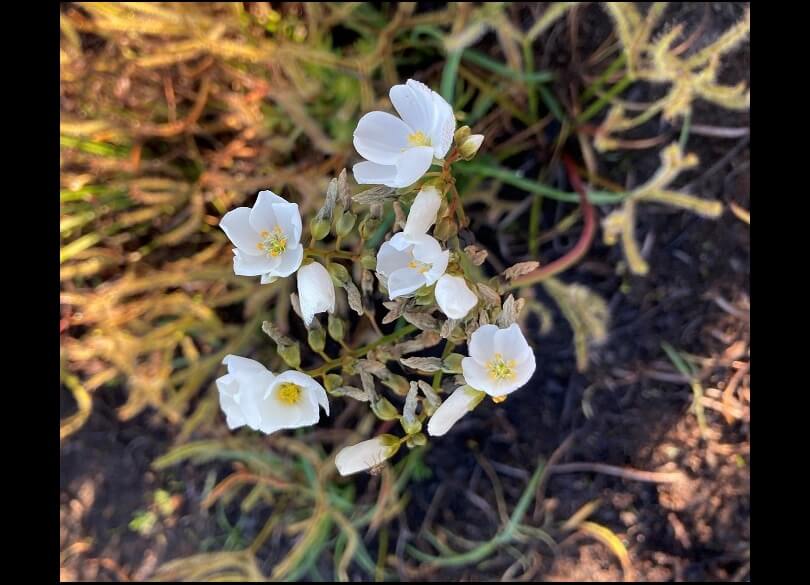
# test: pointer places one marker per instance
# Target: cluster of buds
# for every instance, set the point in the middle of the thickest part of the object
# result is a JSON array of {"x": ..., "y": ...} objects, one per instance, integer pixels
[{"x": 415, "y": 263}]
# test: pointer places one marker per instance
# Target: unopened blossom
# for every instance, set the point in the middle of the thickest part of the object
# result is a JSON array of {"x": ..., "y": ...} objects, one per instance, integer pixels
[
  {"x": 267, "y": 237},
  {"x": 316, "y": 291},
  {"x": 398, "y": 151},
  {"x": 460, "y": 402},
  {"x": 366, "y": 454},
  {"x": 454, "y": 297},
  {"x": 251, "y": 395},
  {"x": 409, "y": 261},
  {"x": 500, "y": 360},
  {"x": 422, "y": 213}
]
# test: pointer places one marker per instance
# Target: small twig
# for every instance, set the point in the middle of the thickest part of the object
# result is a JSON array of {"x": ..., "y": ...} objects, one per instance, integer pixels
[{"x": 623, "y": 472}]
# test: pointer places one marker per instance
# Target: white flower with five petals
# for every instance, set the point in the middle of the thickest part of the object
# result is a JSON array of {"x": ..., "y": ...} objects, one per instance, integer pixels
[
  {"x": 267, "y": 237},
  {"x": 500, "y": 361},
  {"x": 398, "y": 151},
  {"x": 409, "y": 261},
  {"x": 249, "y": 394}
]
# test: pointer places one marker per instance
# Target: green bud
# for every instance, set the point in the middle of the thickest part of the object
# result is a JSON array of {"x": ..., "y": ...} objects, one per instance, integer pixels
[
  {"x": 291, "y": 354},
  {"x": 470, "y": 146},
  {"x": 336, "y": 327},
  {"x": 398, "y": 384},
  {"x": 369, "y": 261},
  {"x": 337, "y": 214},
  {"x": 339, "y": 273},
  {"x": 417, "y": 440},
  {"x": 345, "y": 224},
  {"x": 316, "y": 338},
  {"x": 452, "y": 363},
  {"x": 410, "y": 427},
  {"x": 384, "y": 410},
  {"x": 461, "y": 135},
  {"x": 319, "y": 228},
  {"x": 333, "y": 381}
]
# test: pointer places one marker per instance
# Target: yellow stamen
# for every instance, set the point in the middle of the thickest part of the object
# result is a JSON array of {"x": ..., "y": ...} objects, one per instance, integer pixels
[
  {"x": 421, "y": 267},
  {"x": 273, "y": 243},
  {"x": 500, "y": 369},
  {"x": 289, "y": 393},
  {"x": 418, "y": 139},
  {"x": 499, "y": 399}
]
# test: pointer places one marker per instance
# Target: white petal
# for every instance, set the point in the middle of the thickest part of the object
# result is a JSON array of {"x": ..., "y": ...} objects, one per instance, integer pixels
[
  {"x": 369, "y": 173},
  {"x": 438, "y": 266},
  {"x": 390, "y": 258},
  {"x": 481, "y": 346},
  {"x": 412, "y": 164},
  {"x": 459, "y": 403},
  {"x": 380, "y": 137},
  {"x": 441, "y": 137},
  {"x": 236, "y": 225},
  {"x": 414, "y": 102},
  {"x": 228, "y": 389},
  {"x": 511, "y": 343},
  {"x": 316, "y": 291},
  {"x": 404, "y": 282},
  {"x": 477, "y": 376},
  {"x": 268, "y": 278},
  {"x": 423, "y": 212},
  {"x": 263, "y": 216},
  {"x": 289, "y": 218},
  {"x": 454, "y": 297},
  {"x": 248, "y": 265},
  {"x": 289, "y": 262},
  {"x": 363, "y": 455},
  {"x": 252, "y": 380}
]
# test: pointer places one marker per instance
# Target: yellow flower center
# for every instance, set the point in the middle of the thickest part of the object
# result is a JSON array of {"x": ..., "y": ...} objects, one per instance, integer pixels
[
  {"x": 500, "y": 369},
  {"x": 289, "y": 393},
  {"x": 273, "y": 243},
  {"x": 420, "y": 267},
  {"x": 418, "y": 139}
]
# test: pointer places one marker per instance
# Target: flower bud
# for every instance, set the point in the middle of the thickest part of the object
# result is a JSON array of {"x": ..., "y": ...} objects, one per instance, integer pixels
[
  {"x": 336, "y": 327},
  {"x": 344, "y": 225},
  {"x": 470, "y": 146},
  {"x": 316, "y": 338}
]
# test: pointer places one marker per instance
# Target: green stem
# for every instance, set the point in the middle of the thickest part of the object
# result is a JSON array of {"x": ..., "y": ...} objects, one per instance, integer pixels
[{"x": 361, "y": 351}]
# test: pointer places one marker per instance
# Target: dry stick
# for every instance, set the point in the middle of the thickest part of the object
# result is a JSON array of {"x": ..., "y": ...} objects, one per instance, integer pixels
[
  {"x": 623, "y": 472},
  {"x": 581, "y": 247}
]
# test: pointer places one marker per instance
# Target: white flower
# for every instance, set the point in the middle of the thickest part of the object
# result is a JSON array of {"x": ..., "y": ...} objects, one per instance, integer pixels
[
  {"x": 407, "y": 262},
  {"x": 500, "y": 361},
  {"x": 316, "y": 292},
  {"x": 399, "y": 151},
  {"x": 267, "y": 237},
  {"x": 366, "y": 455},
  {"x": 423, "y": 211},
  {"x": 454, "y": 297},
  {"x": 251, "y": 395},
  {"x": 459, "y": 403}
]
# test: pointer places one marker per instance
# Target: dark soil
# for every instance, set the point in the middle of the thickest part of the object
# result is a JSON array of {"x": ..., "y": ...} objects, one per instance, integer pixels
[{"x": 695, "y": 298}]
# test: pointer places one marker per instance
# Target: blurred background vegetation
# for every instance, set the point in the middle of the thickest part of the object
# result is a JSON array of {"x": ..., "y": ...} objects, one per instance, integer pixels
[{"x": 175, "y": 113}]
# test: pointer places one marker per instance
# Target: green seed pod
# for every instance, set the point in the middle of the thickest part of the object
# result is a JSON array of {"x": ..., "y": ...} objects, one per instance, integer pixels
[
  {"x": 452, "y": 363},
  {"x": 336, "y": 327},
  {"x": 333, "y": 381},
  {"x": 344, "y": 225},
  {"x": 368, "y": 227},
  {"x": 319, "y": 228},
  {"x": 384, "y": 410},
  {"x": 339, "y": 273},
  {"x": 291, "y": 354},
  {"x": 316, "y": 338}
]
